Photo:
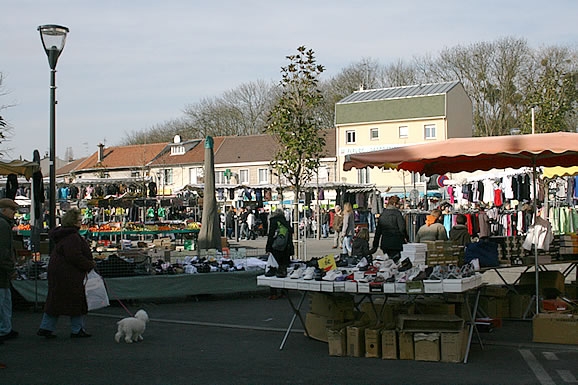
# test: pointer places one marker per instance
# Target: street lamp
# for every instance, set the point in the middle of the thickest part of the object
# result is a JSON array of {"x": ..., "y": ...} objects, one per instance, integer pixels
[{"x": 53, "y": 38}]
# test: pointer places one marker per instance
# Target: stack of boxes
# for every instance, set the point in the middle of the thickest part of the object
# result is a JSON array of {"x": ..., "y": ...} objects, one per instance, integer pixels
[
  {"x": 442, "y": 253},
  {"x": 569, "y": 246},
  {"x": 382, "y": 333},
  {"x": 416, "y": 252}
]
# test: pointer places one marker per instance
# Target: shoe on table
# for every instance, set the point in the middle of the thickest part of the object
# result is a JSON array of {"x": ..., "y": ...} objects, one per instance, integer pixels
[
  {"x": 12, "y": 334},
  {"x": 80, "y": 334},
  {"x": 281, "y": 272},
  {"x": 45, "y": 333}
]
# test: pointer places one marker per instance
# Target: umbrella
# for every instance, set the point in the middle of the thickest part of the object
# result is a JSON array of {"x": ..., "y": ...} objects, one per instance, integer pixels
[
  {"x": 471, "y": 154},
  {"x": 210, "y": 233}
]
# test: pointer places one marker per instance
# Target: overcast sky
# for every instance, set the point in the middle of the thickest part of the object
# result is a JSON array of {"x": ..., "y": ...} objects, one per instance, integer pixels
[{"x": 129, "y": 64}]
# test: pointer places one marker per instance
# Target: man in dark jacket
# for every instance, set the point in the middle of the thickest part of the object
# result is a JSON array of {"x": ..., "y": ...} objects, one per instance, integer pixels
[
  {"x": 459, "y": 233},
  {"x": 7, "y": 267}
]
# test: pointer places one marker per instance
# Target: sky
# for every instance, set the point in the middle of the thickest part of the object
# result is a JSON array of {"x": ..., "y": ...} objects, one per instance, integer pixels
[{"x": 129, "y": 65}]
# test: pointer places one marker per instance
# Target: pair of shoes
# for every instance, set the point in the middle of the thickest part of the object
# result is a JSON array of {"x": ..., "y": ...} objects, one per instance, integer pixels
[
  {"x": 297, "y": 272},
  {"x": 80, "y": 334},
  {"x": 45, "y": 333},
  {"x": 12, "y": 334},
  {"x": 334, "y": 247},
  {"x": 271, "y": 271},
  {"x": 309, "y": 273}
]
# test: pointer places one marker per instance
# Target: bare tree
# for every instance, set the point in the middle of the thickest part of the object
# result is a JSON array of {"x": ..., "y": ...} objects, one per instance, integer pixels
[{"x": 5, "y": 128}]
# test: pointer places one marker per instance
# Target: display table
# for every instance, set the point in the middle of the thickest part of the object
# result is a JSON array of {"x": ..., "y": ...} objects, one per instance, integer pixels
[
  {"x": 157, "y": 286},
  {"x": 466, "y": 287}
]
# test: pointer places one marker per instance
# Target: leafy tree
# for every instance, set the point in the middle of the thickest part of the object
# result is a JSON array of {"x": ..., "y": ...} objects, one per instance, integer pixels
[
  {"x": 5, "y": 129},
  {"x": 294, "y": 122},
  {"x": 552, "y": 90}
]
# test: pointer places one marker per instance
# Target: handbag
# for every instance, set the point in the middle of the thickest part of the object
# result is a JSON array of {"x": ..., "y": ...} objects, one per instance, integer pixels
[
  {"x": 280, "y": 238},
  {"x": 96, "y": 295}
]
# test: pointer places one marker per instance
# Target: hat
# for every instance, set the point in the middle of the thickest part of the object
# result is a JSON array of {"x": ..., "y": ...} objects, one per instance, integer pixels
[{"x": 8, "y": 203}]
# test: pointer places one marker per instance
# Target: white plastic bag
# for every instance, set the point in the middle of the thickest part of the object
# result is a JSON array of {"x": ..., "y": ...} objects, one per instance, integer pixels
[
  {"x": 272, "y": 262},
  {"x": 96, "y": 295}
]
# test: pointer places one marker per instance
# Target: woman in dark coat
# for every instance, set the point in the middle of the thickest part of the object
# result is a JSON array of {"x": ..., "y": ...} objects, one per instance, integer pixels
[
  {"x": 390, "y": 233},
  {"x": 282, "y": 257},
  {"x": 70, "y": 261}
]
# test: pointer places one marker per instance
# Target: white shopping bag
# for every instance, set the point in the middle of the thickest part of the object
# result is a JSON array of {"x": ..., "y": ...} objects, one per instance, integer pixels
[{"x": 96, "y": 295}]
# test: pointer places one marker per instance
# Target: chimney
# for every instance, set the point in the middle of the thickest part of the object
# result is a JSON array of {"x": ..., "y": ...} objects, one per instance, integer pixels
[{"x": 100, "y": 152}]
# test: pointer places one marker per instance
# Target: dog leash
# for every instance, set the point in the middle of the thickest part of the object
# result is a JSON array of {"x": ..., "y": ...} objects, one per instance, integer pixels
[{"x": 116, "y": 299}]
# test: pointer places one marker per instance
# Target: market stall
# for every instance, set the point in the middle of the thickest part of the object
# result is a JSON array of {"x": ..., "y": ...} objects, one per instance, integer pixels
[{"x": 471, "y": 154}]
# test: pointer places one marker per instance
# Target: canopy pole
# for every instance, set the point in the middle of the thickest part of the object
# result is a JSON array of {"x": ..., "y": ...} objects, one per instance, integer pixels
[{"x": 537, "y": 271}]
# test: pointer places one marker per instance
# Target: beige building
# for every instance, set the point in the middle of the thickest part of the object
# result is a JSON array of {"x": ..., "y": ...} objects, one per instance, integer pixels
[{"x": 371, "y": 120}]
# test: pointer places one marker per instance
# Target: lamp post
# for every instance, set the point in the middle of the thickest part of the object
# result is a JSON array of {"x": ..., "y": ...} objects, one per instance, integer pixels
[{"x": 53, "y": 38}]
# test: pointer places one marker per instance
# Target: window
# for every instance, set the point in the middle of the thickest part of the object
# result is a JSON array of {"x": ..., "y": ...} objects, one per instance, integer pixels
[
  {"x": 134, "y": 174},
  {"x": 196, "y": 175},
  {"x": 168, "y": 176},
  {"x": 220, "y": 177},
  {"x": 403, "y": 132},
  {"x": 263, "y": 175},
  {"x": 363, "y": 175},
  {"x": 350, "y": 137},
  {"x": 374, "y": 134},
  {"x": 430, "y": 131},
  {"x": 177, "y": 150},
  {"x": 243, "y": 176}
]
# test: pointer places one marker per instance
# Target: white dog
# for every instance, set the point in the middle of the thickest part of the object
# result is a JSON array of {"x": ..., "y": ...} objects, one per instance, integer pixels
[{"x": 132, "y": 328}]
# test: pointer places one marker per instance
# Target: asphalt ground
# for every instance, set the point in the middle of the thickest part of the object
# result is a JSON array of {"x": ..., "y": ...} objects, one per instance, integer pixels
[{"x": 236, "y": 339}]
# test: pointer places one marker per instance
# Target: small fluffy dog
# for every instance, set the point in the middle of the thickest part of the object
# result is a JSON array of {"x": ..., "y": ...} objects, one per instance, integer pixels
[{"x": 132, "y": 328}]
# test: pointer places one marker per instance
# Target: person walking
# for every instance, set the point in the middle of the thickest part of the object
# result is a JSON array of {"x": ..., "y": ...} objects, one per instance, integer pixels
[
  {"x": 348, "y": 228},
  {"x": 324, "y": 219},
  {"x": 336, "y": 226},
  {"x": 433, "y": 229},
  {"x": 7, "y": 268},
  {"x": 69, "y": 263},
  {"x": 230, "y": 222},
  {"x": 390, "y": 232}
]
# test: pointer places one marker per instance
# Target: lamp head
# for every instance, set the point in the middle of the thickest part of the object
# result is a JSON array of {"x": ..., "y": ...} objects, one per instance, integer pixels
[{"x": 53, "y": 39}]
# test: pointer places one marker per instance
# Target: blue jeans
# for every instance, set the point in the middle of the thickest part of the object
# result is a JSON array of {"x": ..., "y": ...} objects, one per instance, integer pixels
[
  {"x": 325, "y": 230},
  {"x": 49, "y": 322},
  {"x": 347, "y": 245},
  {"x": 5, "y": 311}
]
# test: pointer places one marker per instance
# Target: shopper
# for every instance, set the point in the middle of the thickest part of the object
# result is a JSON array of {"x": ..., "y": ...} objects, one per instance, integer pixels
[
  {"x": 7, "y": 268},
  {"x": 347, "y": 229},
  {"x": 390, "y": 232},
  {"x": 69, "y": 263},
  {"x": 459, "y": 232},
  {"x": 433, "y": 229},
  {"x": 283, "y": 257},
  {"x": 336, "y": 226},
  {"x": 360, "y": 247}
]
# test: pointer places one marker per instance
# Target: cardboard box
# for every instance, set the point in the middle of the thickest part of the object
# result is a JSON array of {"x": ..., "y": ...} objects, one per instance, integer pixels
[
  {"x": 317, "y": 325},
  {"x": 495, "y": 307},
  {"x": 453, "y": 346},
  {"x": 426, "y": 346},
  {"x": 337, "y": 341},
  {"x": 555, "y": 328},
  {"x": 546, "y": 280},
  {"x": 518, "y": 304},
  {"x": 389, "y": 344},
  {"x": 332, "y": 306},
  {"x": 373, "y": 342},
  {"x": 405, "y": 343},
  {"x": 429, "y": 322},
  {"x": 356, "y": 340}
]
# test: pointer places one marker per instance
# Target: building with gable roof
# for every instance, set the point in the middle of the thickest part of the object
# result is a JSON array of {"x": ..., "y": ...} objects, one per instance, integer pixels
[{"x": 371, "y": 120}]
